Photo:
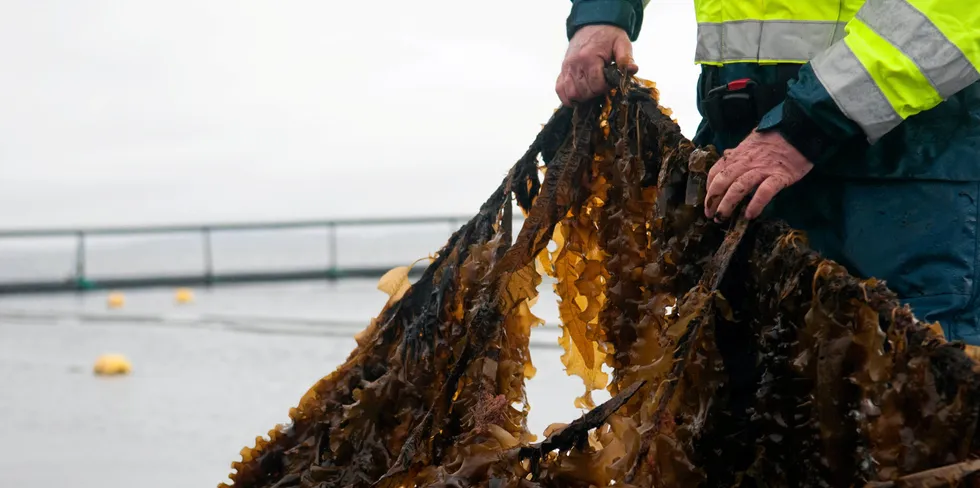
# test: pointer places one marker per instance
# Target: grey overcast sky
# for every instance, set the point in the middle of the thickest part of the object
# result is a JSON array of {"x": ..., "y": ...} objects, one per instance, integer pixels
[{"x": 136, "y": 111}]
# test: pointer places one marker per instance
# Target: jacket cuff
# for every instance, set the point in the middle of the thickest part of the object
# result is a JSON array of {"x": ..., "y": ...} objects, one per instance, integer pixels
[
  {"x": 625, "y": 14},
  {"x": 810, "y": 120}
]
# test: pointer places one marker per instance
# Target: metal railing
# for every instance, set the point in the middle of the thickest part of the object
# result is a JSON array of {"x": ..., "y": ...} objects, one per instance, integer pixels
[{"x": 81, "y": 281}]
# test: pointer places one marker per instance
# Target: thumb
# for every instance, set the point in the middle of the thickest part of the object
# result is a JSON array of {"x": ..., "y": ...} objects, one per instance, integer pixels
[{"x": 623, "y": 54}]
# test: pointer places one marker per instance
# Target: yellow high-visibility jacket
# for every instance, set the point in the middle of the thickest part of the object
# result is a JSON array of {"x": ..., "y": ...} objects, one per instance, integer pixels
[{"x": 881, "y": 60}]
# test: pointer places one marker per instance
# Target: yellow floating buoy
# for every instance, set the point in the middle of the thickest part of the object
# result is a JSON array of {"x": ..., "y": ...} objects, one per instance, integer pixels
[
  {"x": 184, "y": 295},
  {"x": 111, "y": 365},
  {"x": 116, "y": 300}
]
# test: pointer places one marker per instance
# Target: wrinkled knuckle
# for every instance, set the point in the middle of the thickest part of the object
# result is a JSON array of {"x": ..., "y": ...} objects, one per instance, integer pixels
[
  {"x": 770, "y": 190},
  {"x": 726, "y": 173},
  {"x": 583, "y": 59}
]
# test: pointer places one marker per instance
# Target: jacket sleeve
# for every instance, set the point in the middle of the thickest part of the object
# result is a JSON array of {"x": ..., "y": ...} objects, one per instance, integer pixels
[
  {"x": 897, "y": 58},
  {"x": 627, "y": 14}
]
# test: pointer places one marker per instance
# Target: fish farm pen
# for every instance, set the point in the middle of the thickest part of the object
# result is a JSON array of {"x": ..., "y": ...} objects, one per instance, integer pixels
[{"x": 322, "y": 238}]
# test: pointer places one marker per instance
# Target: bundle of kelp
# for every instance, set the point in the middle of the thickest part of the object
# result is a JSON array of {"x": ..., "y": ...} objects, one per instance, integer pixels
[{"x": 738, "y": 356}]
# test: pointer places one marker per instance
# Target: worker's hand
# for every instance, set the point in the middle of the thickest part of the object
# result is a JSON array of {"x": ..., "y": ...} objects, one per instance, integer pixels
[
  {"x": 589, "y": 51},
  {"x": 764, "y": 160}
]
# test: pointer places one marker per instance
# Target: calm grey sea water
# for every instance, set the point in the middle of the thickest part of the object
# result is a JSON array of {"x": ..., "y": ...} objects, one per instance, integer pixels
[{"x": 208, "y": 376}]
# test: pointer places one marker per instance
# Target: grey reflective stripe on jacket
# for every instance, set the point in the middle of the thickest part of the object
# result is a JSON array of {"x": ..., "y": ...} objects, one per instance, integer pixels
[
  {"x": 854, "y": 91},
  {"x": 917, "y": 37},
  {"x": 765, "y": 40},
  {"x": 859, "y": 94}
]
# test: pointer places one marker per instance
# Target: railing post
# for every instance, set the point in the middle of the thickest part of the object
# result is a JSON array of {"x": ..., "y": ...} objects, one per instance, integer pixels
[
  {"x": 81, "y": 282},
  {"x": 332, "y": 265},
  {"x": 208, "y": 257}
]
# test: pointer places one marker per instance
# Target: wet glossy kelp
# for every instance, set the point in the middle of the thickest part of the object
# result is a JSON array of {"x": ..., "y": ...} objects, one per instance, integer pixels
[{"x": 736, "y": 356}]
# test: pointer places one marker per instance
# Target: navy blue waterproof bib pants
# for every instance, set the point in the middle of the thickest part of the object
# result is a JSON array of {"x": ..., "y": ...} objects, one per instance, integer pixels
[{"x": 903, "y": 210}]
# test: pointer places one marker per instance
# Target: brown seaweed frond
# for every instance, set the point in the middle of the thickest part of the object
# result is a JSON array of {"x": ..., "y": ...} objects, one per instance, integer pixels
[{"x": 734, "y": 354}]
